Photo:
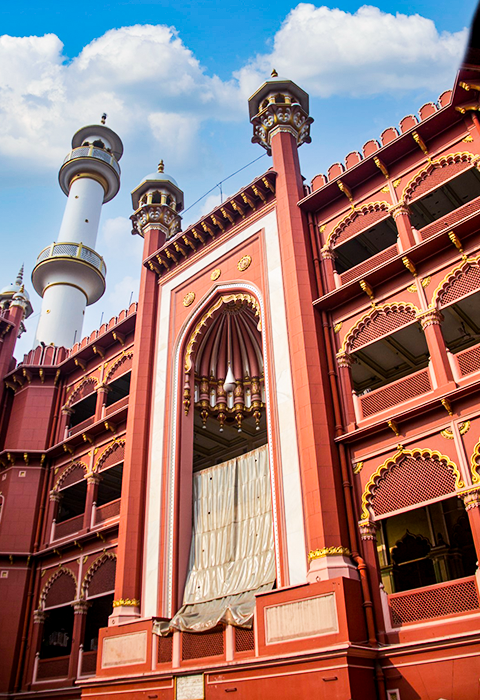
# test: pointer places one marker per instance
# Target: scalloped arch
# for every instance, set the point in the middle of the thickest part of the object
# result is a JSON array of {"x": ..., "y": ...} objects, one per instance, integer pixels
[
  {"x": 67, "y": 471},
  {"x": 77, "y": 390},
  {"x": 110, "y": 449},
  {"x": 376, "y": 314},
  {"x": 444, "y": 161},
  {"x": 63, "y": 571},
  {"x": 352, "y": 216},
  {"x": 196, "y": 334},
  {"x": 106, "y": 556},
  {"x": 396, "y": 459},
  {"x": 453, "y": 276},
  {"x": 475, "y": 463},
  {"x": 117, "y": 364}
]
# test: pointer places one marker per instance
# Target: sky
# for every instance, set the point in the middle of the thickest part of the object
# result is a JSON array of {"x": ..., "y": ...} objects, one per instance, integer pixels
[{"x": 174, "y": 79}]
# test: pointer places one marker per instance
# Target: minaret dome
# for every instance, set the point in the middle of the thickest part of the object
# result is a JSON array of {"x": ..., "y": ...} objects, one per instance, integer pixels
[{"x": 157, "y": 203}]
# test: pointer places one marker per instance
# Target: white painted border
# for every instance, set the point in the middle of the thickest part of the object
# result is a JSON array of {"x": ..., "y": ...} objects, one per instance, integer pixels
[{"x": 289, "y": 462}]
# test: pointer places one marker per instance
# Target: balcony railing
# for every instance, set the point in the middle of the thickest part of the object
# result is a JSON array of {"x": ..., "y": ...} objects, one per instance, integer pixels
[
  {"x": 108, "y": 510},
  {"x": 77, "y": 251},
  {"x": 88, "y": 663},
  {"x": 68, "y": 527},
  {"x": 362, "y": 268},
  {"x": 80, "y": 427},
  {"x": 468, "y": 360},
  {"x": 392, "y": 394},
  {"x": 438, "y": 600},
  {"x": 93, "y": 152},
  {"x": 51, "y": 668}
]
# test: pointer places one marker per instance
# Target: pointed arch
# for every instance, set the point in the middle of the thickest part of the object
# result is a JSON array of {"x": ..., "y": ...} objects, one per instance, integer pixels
[
  {"x": 425, "y": 180},
  {"x": 379, "y": 321},
  {"x": 113, "y": 453},
  {"x": 407, "y": 478},
  {"x": 357, "y": 219},
  {"x": 59, "y": 594},
  {"x": 82, "y": 390},
  {"x": 63, "y": 479},
  {"x": 475, "y": 463},
  {"x": 122, "y": 363},
  {"x": 462, "y": 280},
  {"x": 106, "y": 563}
]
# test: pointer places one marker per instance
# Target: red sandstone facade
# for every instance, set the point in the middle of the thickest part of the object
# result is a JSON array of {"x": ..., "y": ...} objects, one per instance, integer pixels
[{"x": 355, "y": 307}]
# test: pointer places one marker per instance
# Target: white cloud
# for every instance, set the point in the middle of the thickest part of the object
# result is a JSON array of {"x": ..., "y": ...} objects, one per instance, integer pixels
[
  {"x": 329, "y": 51},
  {"x": 139, "y": 75}
]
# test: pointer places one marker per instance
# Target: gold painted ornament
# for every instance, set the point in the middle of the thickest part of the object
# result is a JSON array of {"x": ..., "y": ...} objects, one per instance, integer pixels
[
  {"x": 244, "y": 263},
  {"x": 215, "y": 275},
  {"x": 189, "y": 298}
]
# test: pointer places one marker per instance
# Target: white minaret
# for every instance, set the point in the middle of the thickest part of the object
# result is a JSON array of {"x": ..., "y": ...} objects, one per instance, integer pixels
[{"x": 69, "y": 274}]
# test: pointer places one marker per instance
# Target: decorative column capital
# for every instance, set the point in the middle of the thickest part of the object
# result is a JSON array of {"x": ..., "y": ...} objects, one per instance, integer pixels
[
  {"x": 399, "y": 209},
  {"x": 156, "y": 216},
  {"x": 471, "y": 498},
  {"x": 39, "y": 617},
  {"x": 431, "y": 317},
  {"x": 93, "y": 478},
  {"x": 67, "y": 411},
  {"x": 55, "y": 496},
  {"x": 344, "y": 360},
  {"x": 327, "y": 253},
  {"x": 281, "y": 117},
  {"x": 80, "y": 607},
  {"x": 368, "y": 529}
]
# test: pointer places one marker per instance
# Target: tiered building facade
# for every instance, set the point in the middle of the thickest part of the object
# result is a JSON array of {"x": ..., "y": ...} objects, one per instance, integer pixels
[{"x": 263, "y": 478}]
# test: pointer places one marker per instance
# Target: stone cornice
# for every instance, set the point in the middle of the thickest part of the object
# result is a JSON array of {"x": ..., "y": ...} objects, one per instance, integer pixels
[{"x": 218, "y": 223}]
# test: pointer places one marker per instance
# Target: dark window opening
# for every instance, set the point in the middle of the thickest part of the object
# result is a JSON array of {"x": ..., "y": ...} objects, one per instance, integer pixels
[
  {"x": 118, "y": 389},
  {"x": 364, "y": 246},
  {"x": 461, "y": 323},
  {"x": 110, "y": 487},
  {"x": 83, "y": 410},
  {"x": 390, "y": 358},
  {"x": 156, "y": 198},
  {"x": 57, "y": 633},
  {"x": 445, "y": 199},
  {"x": 97, "y": 617},
  {"x": 280, "y": 99},
  {"x": 72, "y": 501},
  {"x": 425, "y": 546},
  {"x": 98, "y": 144}
]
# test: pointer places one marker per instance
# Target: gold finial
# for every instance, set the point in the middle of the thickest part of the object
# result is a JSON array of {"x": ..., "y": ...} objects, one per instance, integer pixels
[
  {"x": 104, "y": 118},
  {"x": 274, "y": 73},
  {"x": 161, "y": 167}
]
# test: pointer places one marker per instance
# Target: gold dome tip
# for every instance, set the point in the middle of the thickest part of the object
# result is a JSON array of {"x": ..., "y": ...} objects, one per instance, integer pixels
[
  {"x": 160, "y": 167},
  {"x": 274, "y": 73}
]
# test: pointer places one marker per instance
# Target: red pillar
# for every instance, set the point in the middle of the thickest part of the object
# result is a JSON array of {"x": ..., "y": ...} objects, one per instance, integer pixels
[
  {"x": 80, "y": 608},
  {"x": 430, "y": 321},
  {"x": 128, "y": 579},
  {"x": 92, "y": 489},
  {"x": 323, "y": 507},
  {"x": 401, "y": 214},
  {"x": 345, "y": 374},
  {"x": 102, "y": 391},
  {"x": 368, "y": 534}
]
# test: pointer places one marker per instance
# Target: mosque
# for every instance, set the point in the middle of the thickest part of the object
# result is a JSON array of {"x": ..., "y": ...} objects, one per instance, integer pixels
[{"x": 264, "y": 478}]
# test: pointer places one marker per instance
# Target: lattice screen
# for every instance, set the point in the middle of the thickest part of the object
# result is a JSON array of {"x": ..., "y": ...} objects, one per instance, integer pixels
[
  {"x": 380, "y": 323},
  {"x": 411, "y": 481},
  {"x": 437, "y": 177},
  {"x": 244, "y": 639},
  {"x": 434, "y": 601},
  {"x": 361, "y": 222},
  {"x": 63, "y": 591},
  {"x": 469, "y": 360},
  {"x": 465, "y": 282},
  {"x": 197, "y": 645},
  {"x": 393, "y": 394},
  {"x": 103, "y": 580}
]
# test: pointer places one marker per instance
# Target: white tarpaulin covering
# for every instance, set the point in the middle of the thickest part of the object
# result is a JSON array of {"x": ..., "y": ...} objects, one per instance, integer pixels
[{"x": 232, "y": 554}]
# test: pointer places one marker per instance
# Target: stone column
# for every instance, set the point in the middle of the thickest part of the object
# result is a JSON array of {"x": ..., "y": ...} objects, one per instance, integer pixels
[
  {"x": 345, "y": 361},
  {"x": 80, "y": 608},
  {"x": 55, "y": 498},
  {"x": 92, "y": 489},
  {"x": 332, "y": 279},
  {"x": 401, "y": 214},
  {"x": 39, "y": 617},
  {"x": 471, "y": 501},
  {"x": 102, "y": 391},
  {"x": 431, "y": 320},
  {"x": 64, "y": 422},
  {"x": 368, "y": 535}
]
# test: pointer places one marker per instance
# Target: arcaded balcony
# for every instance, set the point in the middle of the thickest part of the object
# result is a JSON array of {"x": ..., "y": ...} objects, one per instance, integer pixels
[
  {"x": 461, "y": 331},
  {"x": 365, "y": 251},
  {"x": 390, "y": 371}
]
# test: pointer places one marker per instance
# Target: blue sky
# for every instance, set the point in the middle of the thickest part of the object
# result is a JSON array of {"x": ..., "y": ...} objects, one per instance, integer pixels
[{"x": 174, "y": 79}]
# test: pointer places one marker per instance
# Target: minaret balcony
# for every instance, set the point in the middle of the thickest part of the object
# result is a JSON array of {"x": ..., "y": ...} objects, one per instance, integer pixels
[
  {"x": 70, "y": 263},
  {"x": 95, "y": 161}
]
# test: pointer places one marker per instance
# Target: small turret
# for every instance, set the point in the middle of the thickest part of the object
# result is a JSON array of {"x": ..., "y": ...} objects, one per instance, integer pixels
[
  {"x": 16, "y": 293},
  {"x": 157, "y": 202},
  {"x": 279, "y": 105}
]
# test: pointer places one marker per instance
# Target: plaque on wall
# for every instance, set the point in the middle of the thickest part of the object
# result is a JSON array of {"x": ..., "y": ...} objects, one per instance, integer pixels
[{"x": 190, "y": 687}]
